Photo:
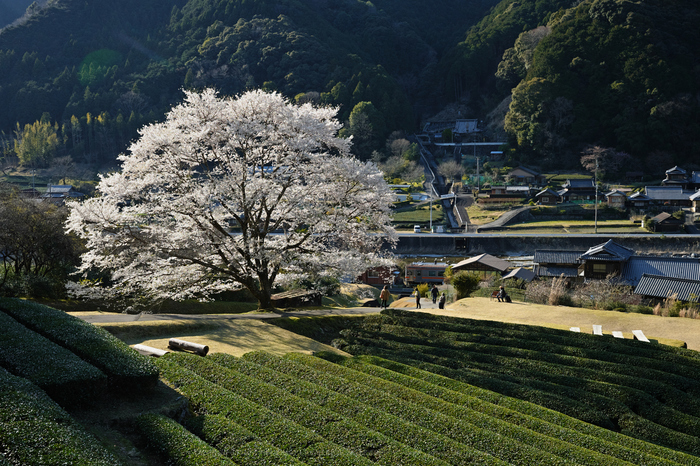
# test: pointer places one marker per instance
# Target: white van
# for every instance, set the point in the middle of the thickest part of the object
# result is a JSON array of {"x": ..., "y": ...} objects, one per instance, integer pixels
[{"x": 416, "y": 228}]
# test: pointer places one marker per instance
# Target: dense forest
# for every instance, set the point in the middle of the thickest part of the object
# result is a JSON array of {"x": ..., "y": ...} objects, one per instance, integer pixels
[{"x": 78, "y": 78}]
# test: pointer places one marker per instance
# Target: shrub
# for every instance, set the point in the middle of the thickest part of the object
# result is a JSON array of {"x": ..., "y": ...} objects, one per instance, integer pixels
[
  {"x": 35, "y": 430},
  {"x": 557, "y": 291},
  {"x": 465, "y": 283},
  {"x": 55, "y": 369},
  {"x": 423, "y": 289},
  {"x": 238, "y": 443},
  {"x": 207, "y": 397},
  {"x": 128, "y": 368},
  {"x": 177, "y": 444}
]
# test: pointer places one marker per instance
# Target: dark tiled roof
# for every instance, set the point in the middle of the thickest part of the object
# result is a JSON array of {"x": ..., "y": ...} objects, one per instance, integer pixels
[
  {"x": 667, "y": 193},
  {"x": 608, "y": 251},
  {"x": 521, "y": 273},
  {"x": 675, "y": 170},
  {"x": 485, "y": 259},
  {"x": 578, "y": 184},
  {"x": 556, "y": 271},
  {"x": 676, "y": 267},
  {"x": 545, "y": 256},
  {"x": 663, "y": 287}
]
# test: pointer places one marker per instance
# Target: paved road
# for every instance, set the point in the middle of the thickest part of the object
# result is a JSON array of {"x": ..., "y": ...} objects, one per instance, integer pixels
[{"x": 108, "y": 317}]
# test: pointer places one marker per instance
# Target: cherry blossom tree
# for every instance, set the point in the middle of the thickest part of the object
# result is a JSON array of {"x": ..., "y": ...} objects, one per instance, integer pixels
[{"x": 234, "y": 192}]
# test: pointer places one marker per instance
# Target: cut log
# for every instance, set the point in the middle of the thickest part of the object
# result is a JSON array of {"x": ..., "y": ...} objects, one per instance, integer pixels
[
  {"x": 183, "y": 345},
  {"x": 150, "y": 351}
]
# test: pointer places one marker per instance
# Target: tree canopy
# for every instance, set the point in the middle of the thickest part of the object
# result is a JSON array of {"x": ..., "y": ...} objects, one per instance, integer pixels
[{"x": 234, "y": 192}]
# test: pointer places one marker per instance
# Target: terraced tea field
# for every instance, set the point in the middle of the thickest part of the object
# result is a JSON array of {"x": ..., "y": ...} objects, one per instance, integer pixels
[{"x": 421, "y": 390}]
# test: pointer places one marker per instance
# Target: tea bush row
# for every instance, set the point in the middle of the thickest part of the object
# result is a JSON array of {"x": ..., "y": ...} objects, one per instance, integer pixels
[
  {"x": 501, "y": 439},
  {"x": 589, "y": 407},
  {"x": 560, "y": 349},
  {"x": 329, "y": 425},
  {"x": 512, "y": 410},
  {"x": 59, "y": 372},
  {"x": 299, "y": 442},
  {"x": 177, "y": 444},
  {"x": 234, "y": 441},
  {"x": 128, "y": 368},
  {"x": 34, "y": 430},
  {"x": 600, "y": 377},
  {"x": 682, "y": 361}
]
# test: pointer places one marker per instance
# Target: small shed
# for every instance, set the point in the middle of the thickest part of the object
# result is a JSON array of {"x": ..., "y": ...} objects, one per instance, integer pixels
[
  {"x": 695, "y": 199},
  {"x": 665, "y": 222},
  {"x": 548, "y": 197},
  {"x": 656, "y": 286},
  {"x": 616, "y": 199},
  {"x": 521, "y": 274},
  {"x": 482, "y": 263}
]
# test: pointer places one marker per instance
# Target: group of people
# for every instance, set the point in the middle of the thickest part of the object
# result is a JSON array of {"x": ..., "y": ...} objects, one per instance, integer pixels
[
  {"x": 434, "y": 293},
  {"x": 502, "y": 296}
]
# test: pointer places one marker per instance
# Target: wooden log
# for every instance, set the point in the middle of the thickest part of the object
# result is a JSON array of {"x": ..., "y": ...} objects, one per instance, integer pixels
[
  {"x": 183, "y": 345},
  {"x": 150, "y": 351}
]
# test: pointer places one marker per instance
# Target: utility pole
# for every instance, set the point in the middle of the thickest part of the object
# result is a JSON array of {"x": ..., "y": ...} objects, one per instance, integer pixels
[{"x": 595, "y": 179}]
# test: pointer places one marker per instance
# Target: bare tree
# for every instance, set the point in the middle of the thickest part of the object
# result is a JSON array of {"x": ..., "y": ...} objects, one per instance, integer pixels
[{"x": 451, "y": 170}]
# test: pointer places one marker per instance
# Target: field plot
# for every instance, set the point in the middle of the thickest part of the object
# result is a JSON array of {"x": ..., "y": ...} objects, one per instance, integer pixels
[
  {"x": 303, "y": 409},
  {"x": 647, "y": 391}
]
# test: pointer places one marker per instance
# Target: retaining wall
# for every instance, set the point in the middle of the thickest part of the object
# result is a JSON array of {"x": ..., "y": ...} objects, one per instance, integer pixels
[{"x": 463, "y": 245}]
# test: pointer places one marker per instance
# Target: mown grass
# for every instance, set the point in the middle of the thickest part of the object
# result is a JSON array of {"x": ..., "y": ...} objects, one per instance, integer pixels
[{"x": 420, "y": 214}]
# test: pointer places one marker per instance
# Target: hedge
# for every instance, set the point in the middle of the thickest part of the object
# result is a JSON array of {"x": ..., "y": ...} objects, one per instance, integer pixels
[
  {"x": 538, "y": 393},
  {"x": 641, "y": 396},
  {"x": 666, "y": 358},
  {"x": 177, "y": 444},
  {"x": 337, "y": 429},
  {"x": 564, "y": 429},
  {"x": 238, "y": 443},
  {"x": 454, "y": 390},
  {"x": 62, "y": 374},
  {"x": 417, "y": 437},
  {"x": 501, "y": 438},
  {"x": 34, "y": 430},
  {"x": 127, "y": 368},
  {"x": 299, "y": 442},
  {"x": 508, "y": 369}
]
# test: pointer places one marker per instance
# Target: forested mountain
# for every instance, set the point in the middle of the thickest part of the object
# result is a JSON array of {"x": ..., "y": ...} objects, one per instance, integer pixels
[
  {"x": 102, "y": 69},
  {"x": 617, "y": 73}
]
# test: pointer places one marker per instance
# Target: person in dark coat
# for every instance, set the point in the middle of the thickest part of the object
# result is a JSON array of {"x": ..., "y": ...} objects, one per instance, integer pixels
[
  {"x": 441, "y": 303},
  {"x": 434, "y": 292}
]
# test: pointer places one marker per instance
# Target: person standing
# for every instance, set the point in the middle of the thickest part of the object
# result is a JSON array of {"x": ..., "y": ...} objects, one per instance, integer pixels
[
  {"x": 434, "y": 293},
  {"x": 417, "y": 299},
  {"x": 441, "y": 303},
  {"x": 384, "y": 297}
]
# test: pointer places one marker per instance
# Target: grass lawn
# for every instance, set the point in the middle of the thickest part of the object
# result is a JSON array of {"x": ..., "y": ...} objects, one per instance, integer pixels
[
  {"x": 479, "y": 216},
  {"x": 420, "y": 214},
  {"x": 576, "y": 226}
]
